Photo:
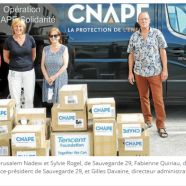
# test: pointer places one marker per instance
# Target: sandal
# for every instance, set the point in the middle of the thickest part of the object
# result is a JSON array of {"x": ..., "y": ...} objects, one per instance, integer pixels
[
  {"x": 161, "y": 133},
  {"x": 148, "y": 125}
]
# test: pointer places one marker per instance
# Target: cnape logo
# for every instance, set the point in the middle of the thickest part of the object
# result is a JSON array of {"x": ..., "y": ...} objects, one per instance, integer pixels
[
  {"x": 134, "y": 131},
  {"x": 103, "y": 128},
  {"x": 67, "y": 117},
  {"x": 3, "y": 113},
  {"x": 133, "y": 143},
  {"x": 112, "y": 16},
  {"x": 25, "y": 139}
]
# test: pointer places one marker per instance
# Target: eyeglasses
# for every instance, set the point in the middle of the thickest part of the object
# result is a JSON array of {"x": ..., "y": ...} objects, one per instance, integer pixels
[
  {"x": 144, "y": 19},
  {"x": 55, "y": 35}
]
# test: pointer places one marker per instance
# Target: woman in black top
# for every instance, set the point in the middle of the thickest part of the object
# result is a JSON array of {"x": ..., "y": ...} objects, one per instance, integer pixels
[{"x": 19, "y": 52}]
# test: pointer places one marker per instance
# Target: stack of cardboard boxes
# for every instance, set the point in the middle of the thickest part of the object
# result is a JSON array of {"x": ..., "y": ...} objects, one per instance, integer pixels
[
  {"x": 133, "y": 138},
  {"x": 102, "y": 112},
  {"x": 6, "y": 125},
  {"x": 69, "y": 123},
  {"x": 30, "y": 137}
]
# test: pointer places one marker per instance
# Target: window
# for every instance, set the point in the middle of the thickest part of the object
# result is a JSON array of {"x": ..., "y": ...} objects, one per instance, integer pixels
[
  {"x": 34, "y": 5},
  {"x": 177, "y": 17}
]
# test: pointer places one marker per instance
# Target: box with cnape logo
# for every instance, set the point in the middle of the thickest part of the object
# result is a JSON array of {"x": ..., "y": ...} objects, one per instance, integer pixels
[
  {"x": 68, "y": 120},
  {"x": 101, "y": 108},
  {"x": 104, "y": 137},
  {"x": 28, "y": 136},
  {"x": 130, "y": 125},
  {"x": 72, "y": 143},
  {"x": 73, "y": 97},
  {"x": 7, "y": 107},
  {"x": 6, "y": 128},
  {"x": 30, "y": 116},
  {"x": 135, "y": 146},
  {"x": 44, "y": 151}
]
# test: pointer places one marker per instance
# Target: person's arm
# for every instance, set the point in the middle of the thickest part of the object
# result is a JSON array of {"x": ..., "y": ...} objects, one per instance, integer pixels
[
  {"x": 64, "y": 66},
  {"x": 131, "y": 65},
  {"x": 163, "y": 55},
  {"x": 6, "y": 56},
  {"x": 33, "y": 54},
  {"x": 44, "y": 69}
]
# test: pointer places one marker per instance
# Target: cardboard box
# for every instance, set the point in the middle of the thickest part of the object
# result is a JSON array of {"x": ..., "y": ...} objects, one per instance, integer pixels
[
  {"x": 130, "y": 126},
  {"x": 104, "y": 137},
  {"x": 28, "y": 136},
  {"x": 30, "y": 116},
  {"x": 7, "y": 107},
  {"x": 72, "y": 143},
  {"x": 68, "y": 120},
  {"x": 6, "y": 128},
  {"x": 73, "y": 97},
  {"x": 135, "y": 147},
  {"x": 48, "y": 128},
  {"x": 5, "y": 147},
  {"x": 101, "y": 108},
  {"x": 44, "y": 151}
]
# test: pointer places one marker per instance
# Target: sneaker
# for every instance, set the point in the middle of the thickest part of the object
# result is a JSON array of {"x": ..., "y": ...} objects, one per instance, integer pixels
[{"x": 148, "y": 125}]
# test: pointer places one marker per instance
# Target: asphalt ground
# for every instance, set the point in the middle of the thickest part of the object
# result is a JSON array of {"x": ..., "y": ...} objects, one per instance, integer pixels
[{"x": 175, "y": 144}]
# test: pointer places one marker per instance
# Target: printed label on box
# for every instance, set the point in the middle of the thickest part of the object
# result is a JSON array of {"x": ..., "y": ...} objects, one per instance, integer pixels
[
  {"x": 3, "y": 114},
  {"x": 131, "y": 130},
  {"x": 103, "y": 129},
  {"x": 65, "y": 118},
  {"x": 79, "y": 123},
  {"x": 5, "y": 102},
  {"x": 38, "y": 121},
  {"x": 32, "y": 111},
  {"x": 71, "y": 100},
  {"x": 72, "y": 145},
  {"x": 3, "y": 151},
  {"x": 26, "y": 153},
  {"x": 3, "y": 129},
  {"x": 25, "y": 140},
  {"x": 133, "y": 145},
  {"x": 101, "y": 111},
  {"x": 128, "y": 117}
]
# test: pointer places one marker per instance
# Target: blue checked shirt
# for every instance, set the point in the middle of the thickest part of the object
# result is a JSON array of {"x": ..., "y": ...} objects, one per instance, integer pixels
[{"x": 147, "y": 61}]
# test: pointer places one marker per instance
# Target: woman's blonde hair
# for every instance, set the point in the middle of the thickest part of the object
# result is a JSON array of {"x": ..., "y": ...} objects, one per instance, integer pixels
[
  {"x": 58, "y": 32},
  {"x": 18, "y": 21}
]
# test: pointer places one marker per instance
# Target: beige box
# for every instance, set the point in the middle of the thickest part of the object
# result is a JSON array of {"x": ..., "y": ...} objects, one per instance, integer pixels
[
  {"x": 72, "y": 143},
  {"x": 28, "y": 136},
  {"x": 104, "y": 137},
  {"x": 5, "y": 147},
  {"x": 68, "y": 120},
  {"x": 130, "y": 125},
  {"x": 48, "y": 128},
  {"x": 101, "y": 108},
  {"x": 30, "y": 116},
  {"x": 135, "y": 146},
  {"x": 6, "y": 128},
  {"x": 44, "y": 151},
  {"x": 7, "y": 107},
  {"x": 73, "y": 97}
]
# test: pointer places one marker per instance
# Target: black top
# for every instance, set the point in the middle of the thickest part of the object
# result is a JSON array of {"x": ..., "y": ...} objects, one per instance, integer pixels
[{"x": 20, "y": 56}]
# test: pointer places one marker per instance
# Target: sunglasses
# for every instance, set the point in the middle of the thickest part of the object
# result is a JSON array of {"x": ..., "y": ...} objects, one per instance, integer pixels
[{"x": 55, "y": 35}]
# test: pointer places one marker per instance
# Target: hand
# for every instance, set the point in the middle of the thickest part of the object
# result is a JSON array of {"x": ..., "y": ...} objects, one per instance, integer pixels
[
  {"x": 49, "y": 80},
  {"x": 53, "y": 78},
  {"x": 131, "y": 78},
  {"x": 164, "y": 75}
]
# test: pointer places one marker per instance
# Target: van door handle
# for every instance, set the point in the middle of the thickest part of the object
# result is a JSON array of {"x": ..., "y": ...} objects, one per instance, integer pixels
[{"x": 176, "y": 52}]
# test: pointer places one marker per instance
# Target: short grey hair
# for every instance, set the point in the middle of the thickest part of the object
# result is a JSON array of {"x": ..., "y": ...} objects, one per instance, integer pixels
[{"x": 143, "y": 13}]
